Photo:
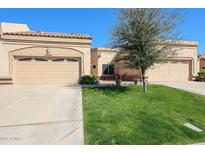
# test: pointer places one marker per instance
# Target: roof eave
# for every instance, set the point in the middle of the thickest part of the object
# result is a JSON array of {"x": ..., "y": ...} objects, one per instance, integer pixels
[{"x": 15, "y": 38}]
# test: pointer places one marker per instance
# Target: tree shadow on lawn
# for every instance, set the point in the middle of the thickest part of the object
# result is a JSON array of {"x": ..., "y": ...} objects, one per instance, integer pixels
[
  {"x": 140, "y": 127},
  {"x": 111, "y": 90}
]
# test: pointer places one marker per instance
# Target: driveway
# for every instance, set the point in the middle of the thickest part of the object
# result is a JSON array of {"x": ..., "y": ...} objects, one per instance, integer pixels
[
  {"x": 191, "y": 86},
  {"x": 40, "y": 114}
]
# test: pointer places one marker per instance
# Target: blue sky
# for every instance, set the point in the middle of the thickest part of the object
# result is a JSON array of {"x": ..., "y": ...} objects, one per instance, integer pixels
[{"x": 95, "y": 22}]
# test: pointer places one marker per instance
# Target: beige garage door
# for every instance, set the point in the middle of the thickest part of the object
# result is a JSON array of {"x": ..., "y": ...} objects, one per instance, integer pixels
[
  {"x": 38, "y": 70},
  {"x": 169, "y": 71}
]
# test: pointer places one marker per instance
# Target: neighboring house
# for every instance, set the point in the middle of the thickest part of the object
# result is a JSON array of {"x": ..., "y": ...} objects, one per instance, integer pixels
[
  {"x": 182, "y": 67},
  {"x": 201, "y": 61},
  {"x": 35, "y": 57}
]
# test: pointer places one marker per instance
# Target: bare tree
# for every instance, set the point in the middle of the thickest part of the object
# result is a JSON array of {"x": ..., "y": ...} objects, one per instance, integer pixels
[{"x": 143, "y": 37}]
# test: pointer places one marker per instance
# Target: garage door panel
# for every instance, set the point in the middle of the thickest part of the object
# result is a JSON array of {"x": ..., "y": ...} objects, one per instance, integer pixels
[
  {"x": 169, "y": 71},
  {"x": 56, "y": 72}
]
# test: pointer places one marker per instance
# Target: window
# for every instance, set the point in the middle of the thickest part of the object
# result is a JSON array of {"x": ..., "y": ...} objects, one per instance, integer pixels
[
  {"x": 108, "y": 69},
  {"x": 174, "y": 62},
  {"x": 72, "y": 59},
  {"x": 25, "y": 59},
  {"x": 185, "y": 62},
  {"x": 58, "y": 59},
  {"x": 94, "y": 66},
  {"x": 166, "y": 62},
  {"x": 41, "y": 59}
]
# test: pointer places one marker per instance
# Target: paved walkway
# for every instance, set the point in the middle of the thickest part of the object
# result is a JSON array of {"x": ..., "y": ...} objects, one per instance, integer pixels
[
  {"x": 191, "y": 86},
  {"x": 203, "y": 143},
  {"x": 40, "y": 114}
]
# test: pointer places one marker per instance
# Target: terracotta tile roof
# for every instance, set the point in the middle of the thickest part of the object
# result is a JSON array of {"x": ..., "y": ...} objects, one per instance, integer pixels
[
  {"x": 50, "y": 34},
  {"x": 201, "y": 55}
]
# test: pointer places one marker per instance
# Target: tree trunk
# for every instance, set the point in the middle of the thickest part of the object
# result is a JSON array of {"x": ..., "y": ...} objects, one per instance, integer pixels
[{"x": 143, "y": 80}]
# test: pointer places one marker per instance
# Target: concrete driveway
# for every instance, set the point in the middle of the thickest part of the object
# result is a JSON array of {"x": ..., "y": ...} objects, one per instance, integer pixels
[
  {"x": 191, "y": 86},
  {"x": 40, "y": 114}
]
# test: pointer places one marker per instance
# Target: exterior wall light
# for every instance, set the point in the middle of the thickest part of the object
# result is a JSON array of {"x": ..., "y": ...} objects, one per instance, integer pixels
[{"x": 48, "y": 51}]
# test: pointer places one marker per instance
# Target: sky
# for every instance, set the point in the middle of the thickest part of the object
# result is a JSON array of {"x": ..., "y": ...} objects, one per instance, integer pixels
[{"x": 96, "y": 22}]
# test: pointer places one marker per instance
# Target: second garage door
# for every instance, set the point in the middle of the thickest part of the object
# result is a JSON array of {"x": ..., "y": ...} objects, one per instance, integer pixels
[
  {"x": 37, "y": 70},
  {"x": 170, "y": 71}
]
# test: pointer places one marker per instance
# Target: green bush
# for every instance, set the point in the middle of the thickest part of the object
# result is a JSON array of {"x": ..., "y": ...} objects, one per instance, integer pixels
[
  {"x": 202, "y": 74},
  {"x": 87, "y": 79}
]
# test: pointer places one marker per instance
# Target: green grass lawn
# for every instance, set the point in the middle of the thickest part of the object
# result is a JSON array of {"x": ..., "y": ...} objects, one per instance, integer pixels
[{"x": 129, "y": 116}]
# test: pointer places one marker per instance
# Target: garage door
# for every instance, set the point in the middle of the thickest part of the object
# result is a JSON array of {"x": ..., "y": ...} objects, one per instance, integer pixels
[
  {"x": 169, "y": 71},
  {"x": 38, "y": 70}
]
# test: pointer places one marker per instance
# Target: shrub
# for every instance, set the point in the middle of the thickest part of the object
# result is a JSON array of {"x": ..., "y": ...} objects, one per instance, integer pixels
[
  {"x": 202, "y": 74},
  {"x": 87, "y": 79}
]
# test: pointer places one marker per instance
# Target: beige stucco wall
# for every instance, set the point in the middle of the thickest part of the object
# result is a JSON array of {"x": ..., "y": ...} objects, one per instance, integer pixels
[
  {"x": 202, "y": 63},
  {"x": 188, "y": 52},
  {"x": 4, "y": 61},
  {"x": 185, "y": 51},
  {"x": 94, "y": 62},
  {"x": 101, "y": 56},
  {"x": 13, "y": 27},
  {"x": 38, "y": 48}
]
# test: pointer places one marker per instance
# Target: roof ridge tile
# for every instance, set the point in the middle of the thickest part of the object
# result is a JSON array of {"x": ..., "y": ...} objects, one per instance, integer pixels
[{"x": 50, "y": 34}]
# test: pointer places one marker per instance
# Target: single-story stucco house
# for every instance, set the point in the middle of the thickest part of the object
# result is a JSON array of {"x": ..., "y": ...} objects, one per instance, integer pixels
[
  {"x": 35, "y": 57},
  {"x": 29, "y": 57}
]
